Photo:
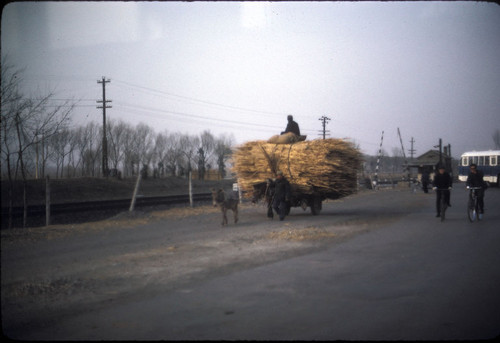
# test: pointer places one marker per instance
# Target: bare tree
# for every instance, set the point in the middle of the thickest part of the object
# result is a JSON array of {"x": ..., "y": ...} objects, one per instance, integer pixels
[
  {"x": 33, "y": 120},
  {"x": 145, "y": 144},
  {"x": 10, "y": 98},
  {"x": 205, "y": 151},
  {"x": 61, "y": 146},
  {"x": 159, "y": 152},
  {"x": 130, "y": 155},
  {"x": 72, "y": 166},
  {"x": 117, "y": 133},
  {"x": 81, "y": 143},
  {"x": 188, "y": 146},
  {"x": 91, "y": 149},
  {"x": 223, "y": 152},
  {"x": 173, "y": 153}
]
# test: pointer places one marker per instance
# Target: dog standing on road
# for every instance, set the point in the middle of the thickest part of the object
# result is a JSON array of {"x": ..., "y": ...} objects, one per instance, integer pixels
[{"x": 219, "y": 199}]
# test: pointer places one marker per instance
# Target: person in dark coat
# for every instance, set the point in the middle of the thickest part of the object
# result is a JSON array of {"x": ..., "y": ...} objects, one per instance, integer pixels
[
  {"x": 425, "y": 180},
  {"x": 443, "y": 182},
  {"x": 475, "y": 179},
  {"x": 269, "y": 196},
  {"x": 281, "y": 195},
  {"x": 292, "y": 126}
]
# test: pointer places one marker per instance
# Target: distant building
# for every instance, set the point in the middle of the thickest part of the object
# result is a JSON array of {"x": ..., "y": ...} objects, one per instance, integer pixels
[{"x": 429, "y": 161}]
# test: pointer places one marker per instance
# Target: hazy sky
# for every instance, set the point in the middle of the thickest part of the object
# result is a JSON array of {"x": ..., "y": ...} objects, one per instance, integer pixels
[{"x": 430, "y": 69}]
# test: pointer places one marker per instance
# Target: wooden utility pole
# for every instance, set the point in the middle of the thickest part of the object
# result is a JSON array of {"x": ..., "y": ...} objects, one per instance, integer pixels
[
  {"x": 378, "y": 161},
  {"x": 404, "y": 156},
  {"x": 105, "y": 170},
  {"x": 324, "y": 120},
  {"x": 440, "y": 146},
  {"x": 412, "y": 150}
]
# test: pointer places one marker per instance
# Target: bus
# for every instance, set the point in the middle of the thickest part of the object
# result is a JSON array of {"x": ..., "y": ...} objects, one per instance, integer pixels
[{"x": 487, "y": 161}]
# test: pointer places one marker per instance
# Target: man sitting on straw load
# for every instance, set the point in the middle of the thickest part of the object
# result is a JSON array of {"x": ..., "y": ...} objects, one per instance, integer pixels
[
  {"x": 290, "y": 135},
  {"x": 292, "y": 126},
  {"x": 281, "y": 195}
]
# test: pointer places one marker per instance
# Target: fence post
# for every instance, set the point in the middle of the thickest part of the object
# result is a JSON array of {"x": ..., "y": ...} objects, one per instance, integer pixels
[
  {"x": 132, "y": 203},
  {"x": 190, "y": 191}
]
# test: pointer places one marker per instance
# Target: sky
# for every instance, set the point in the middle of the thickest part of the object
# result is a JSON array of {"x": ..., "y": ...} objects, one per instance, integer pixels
[{"x": 429, "y": 69}]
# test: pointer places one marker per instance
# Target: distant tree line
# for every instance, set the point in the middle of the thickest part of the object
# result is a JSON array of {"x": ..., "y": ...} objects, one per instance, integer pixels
[
  {"x": 77, "y": 151},
  {"x": 36, "y": 136}
]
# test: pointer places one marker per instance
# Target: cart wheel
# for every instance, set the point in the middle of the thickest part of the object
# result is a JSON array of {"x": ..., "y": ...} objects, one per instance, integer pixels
[{"x": 316, "y": 206}]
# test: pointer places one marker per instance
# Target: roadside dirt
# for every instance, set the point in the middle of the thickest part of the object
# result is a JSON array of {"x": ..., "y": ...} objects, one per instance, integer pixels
[{"x": 62, "y": 270}]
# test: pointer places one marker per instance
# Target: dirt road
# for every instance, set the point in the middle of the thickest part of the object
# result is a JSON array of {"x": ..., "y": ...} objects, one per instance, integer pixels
[{"x": 65, "y": 271}]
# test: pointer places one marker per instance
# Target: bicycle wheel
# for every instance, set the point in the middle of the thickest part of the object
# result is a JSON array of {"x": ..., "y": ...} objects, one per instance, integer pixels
[
  {"x": 444, "y": 206},
  {"x": 471, "y": 210},
  {"x": 476, "y": 209}
]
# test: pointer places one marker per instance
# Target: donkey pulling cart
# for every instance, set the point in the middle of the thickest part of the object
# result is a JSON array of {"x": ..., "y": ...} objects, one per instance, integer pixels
[
  {"x": 317, "y": 170},
  {"x": 265, "y": 191}
]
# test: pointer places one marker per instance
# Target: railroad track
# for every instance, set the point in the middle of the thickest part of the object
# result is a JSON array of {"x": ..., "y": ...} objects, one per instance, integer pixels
[{"x": 103, "y": 205}]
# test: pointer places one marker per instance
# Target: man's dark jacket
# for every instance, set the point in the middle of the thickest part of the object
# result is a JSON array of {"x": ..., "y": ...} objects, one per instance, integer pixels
[
  {"x": 476, "y": 180},
  {"x": 292, "y": 126},
  {"x": 442, "y": 180}
]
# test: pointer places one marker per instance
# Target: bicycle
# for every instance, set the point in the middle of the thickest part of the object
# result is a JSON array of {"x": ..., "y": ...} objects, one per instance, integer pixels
[
  {"x": 473, "y": 204},
  {"x": 415, "y": 186},
  {"x": 443, "y": 202}
]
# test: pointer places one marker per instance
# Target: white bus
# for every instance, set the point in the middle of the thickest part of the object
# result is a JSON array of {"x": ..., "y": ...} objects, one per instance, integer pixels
[{"x": 487, "y": 161}]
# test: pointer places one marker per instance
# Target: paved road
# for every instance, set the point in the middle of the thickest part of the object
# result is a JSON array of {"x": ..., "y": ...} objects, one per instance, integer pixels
[{"x": 414, "y": 278}]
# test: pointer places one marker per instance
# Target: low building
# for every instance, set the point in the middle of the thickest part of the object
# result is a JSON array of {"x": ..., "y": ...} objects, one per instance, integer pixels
[{"x": 429, "y": 161}]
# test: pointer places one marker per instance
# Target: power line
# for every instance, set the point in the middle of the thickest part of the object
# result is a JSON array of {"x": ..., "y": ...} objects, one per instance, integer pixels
[
  {"x": 189, "y": 117},
  {"x": 202, "y": 121},
  {"x": 199, "y": 100},
  {"x": 184, "y": 114},
  {"x": 126, "y": 107}
]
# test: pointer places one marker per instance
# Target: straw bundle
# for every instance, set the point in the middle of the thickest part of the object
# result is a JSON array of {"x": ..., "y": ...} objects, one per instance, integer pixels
[{"x": 327, "y": 167}]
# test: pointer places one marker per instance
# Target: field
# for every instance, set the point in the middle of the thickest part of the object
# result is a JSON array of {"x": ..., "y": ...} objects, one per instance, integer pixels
[{"x": 91, "y": 189}]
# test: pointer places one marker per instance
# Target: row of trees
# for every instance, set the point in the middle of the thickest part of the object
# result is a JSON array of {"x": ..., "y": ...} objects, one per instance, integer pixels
[
  {"x": 37, "y": 136},
  {"x": 77, "y": 151}
]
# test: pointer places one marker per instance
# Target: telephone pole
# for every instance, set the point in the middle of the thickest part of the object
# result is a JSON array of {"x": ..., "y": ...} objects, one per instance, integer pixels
[
  {"x": 105, "y": 170},
  {"x": 324, "y": 120},
  {"x": 375, "y": 185},
  {"x": 411, "y": 150},
  {"x": 404, "y": 156},
  {"x": 440, "y": 146}
]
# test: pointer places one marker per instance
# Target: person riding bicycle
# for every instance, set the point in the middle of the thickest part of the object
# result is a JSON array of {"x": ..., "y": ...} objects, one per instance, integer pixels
[
  {"x": 475, "y": 179},
  {"x": 442, "y": 183}
]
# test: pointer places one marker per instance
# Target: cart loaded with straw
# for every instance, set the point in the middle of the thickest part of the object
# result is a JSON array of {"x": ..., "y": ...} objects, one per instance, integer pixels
[{"x": 317, "y": 170}]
